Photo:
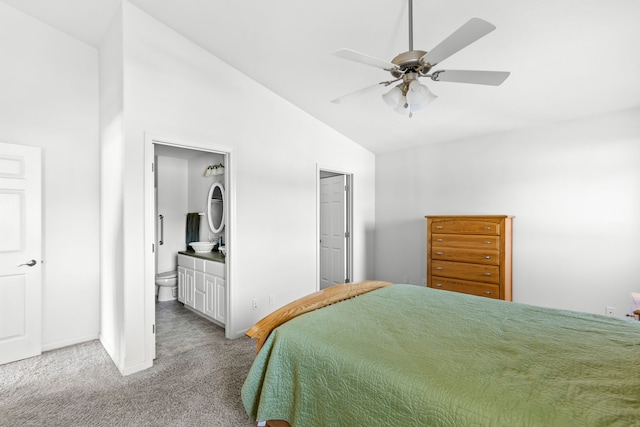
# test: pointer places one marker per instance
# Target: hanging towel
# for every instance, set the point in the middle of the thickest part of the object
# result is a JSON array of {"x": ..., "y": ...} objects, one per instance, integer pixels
[{"x": 193, "y": 228}]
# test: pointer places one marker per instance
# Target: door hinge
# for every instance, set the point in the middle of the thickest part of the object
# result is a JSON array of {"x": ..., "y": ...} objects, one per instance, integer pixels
[
  {"x": 153, "y": 328},
  {"x": 346, "y": 188},
  {"x": 152, "y": 167},
  {"x": 153, "y": 248},
  {"x": 346, "y": 234}
]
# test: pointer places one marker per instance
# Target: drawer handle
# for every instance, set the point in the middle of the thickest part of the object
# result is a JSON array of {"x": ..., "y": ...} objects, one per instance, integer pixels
[
  {"x": 438, "y": 253},
  {"x": 488, "y": 257},
  {"x": 439, "y": 285},
  {"x": 439, "y": 268},
  {"x": 488, "y": 243},
  {"x": 438, "y": 240},
  {"x": 487, "y": 274},
  {"x": 488, "y": 228},
  {"x": 439, "y": 226},
  {"x": 487, "y": 292}
]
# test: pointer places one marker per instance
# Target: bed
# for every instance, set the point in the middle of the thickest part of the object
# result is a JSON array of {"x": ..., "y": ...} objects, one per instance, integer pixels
[{"x": 403, "y": 355}]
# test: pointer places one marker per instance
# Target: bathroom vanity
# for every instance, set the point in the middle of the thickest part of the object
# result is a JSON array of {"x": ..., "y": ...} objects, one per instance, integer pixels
[{"x": 202, "y": 285}]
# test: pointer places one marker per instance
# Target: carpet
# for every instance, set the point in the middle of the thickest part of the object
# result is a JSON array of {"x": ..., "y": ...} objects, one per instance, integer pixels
[{"x": 80, "y": 386}]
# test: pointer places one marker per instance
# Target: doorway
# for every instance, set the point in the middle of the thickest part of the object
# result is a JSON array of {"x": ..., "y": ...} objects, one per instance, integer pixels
[
  {"x": 195, "y": 160},
  {"x": 334, "y": 225}
]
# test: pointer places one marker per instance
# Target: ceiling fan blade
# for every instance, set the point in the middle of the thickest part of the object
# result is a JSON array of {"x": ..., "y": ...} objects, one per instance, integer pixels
[
  {"x": 491, "y": 78},
  {"x": 473, "y": 30},
  {"x": 359, "y": 92},
  {"x": 364, "y": 59}
]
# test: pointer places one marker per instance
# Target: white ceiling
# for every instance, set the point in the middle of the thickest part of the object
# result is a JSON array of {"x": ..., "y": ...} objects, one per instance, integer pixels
[{"x": 568, "y": 58}]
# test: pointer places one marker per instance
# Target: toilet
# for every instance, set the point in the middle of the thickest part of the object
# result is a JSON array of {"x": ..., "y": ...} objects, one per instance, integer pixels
[{"x": 167, "y": 286}]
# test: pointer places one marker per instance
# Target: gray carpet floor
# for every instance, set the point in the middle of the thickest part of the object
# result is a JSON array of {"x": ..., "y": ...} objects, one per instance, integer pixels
[{"x": 80, "y": 386}]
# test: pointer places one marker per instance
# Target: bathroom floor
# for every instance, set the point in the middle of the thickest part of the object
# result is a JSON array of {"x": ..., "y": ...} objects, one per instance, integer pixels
[{"x": 179, "y": 329}]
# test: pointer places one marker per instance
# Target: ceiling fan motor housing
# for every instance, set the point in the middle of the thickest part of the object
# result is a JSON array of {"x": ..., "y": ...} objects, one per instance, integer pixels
[{"x": 410, "y": 62}]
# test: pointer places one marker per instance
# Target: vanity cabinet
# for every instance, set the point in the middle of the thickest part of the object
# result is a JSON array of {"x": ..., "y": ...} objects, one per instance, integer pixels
[
  {"x": 202, "y": 287},
  {"x": 186, "y": 284},
  {"x": 470, "y": 254}
]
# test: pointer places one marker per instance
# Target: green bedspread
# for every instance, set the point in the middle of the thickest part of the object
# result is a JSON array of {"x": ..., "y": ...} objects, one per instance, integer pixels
[{"x": 412, "y": 356}]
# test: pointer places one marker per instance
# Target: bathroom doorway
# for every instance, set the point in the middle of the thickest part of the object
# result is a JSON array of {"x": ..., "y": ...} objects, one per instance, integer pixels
[
  {"x": 334, "y": 225},
  {"x": 176, "y": 192}
]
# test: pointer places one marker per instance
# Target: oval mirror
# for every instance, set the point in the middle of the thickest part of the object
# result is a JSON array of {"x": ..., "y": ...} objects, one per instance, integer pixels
[{"x": 215, "y": 207}]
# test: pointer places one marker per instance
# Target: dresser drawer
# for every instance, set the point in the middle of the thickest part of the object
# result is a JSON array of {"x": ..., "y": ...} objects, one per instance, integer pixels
[
  {"x": 466, "y": 287},
  {"x": 473, "y": 256},
  {"x": 465, "y": 226},
  {"x": 465, "y": 241},
  {"x": 459, "y": 270}
]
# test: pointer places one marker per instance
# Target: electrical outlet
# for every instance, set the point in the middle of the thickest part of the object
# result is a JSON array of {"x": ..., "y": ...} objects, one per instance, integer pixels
[
  {"x": 424, "y": 282},
  {"x": 255, "y": 303},
  {"x": 610, "y": 311},
  {"x": 405, "y": 279},
  {"x": 272, "y": 299}
]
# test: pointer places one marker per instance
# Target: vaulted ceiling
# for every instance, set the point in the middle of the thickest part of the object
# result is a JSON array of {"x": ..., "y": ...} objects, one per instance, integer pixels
[{"x": 568, "y": 59}]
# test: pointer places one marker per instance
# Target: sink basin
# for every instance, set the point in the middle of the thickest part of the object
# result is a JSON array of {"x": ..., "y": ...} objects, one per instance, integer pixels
[{"x": 202, "y": 246}]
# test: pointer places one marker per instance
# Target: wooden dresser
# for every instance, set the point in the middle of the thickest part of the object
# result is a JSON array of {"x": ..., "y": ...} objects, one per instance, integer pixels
[{"x": 470, "y": 254}]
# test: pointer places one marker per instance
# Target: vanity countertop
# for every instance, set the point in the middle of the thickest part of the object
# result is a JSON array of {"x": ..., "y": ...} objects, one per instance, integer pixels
[{"x": 211, "y": 256}]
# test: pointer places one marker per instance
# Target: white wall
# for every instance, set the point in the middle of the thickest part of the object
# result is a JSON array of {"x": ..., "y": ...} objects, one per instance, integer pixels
[
  {"x": 574, "y": 189},
  {"x": 49, "y": 99},
  {"x": 112, "y": 322},
  {"x": 172, "y": 199},
  {"x": 199, "y": 189},
  {"x": 198, "y": 183},
  {"x": 174, "y": 88}
]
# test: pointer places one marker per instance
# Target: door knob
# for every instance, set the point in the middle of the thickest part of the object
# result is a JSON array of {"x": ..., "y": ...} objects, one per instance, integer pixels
[{"x": 29, "y": 264}]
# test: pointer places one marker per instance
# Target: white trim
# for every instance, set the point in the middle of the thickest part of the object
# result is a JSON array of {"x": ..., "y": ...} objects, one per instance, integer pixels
[
  {"x": 176, "y": 141},
  {"x": 149, "y": 228},
  {"x": 149, "y": 255},
  {"x": 137, "y": 368},
  {"x": 66, "y": 343}
]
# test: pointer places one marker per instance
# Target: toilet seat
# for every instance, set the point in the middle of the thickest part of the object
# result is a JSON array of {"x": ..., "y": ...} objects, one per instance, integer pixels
[{"x": 167, "y": 275}]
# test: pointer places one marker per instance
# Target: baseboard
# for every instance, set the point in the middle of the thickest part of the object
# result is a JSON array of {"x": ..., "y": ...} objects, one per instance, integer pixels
[
  {"x": 124, "y": 370},
  {"x": 239, "y": 334},
  {"x": 67, "y": 343},
  {"x": 136, "y": 368}
]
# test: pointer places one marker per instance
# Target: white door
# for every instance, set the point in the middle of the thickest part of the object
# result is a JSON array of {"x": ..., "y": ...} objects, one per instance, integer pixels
[
  {"x": 332, "y": 231},
  {"x": 20, "y": 252}
]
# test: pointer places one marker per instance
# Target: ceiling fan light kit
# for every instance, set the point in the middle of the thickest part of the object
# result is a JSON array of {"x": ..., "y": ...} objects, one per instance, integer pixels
[{"x": 410, "y": 95}]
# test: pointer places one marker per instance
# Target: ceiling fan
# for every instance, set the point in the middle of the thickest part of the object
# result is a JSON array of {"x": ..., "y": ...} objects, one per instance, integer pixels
[{"x": 410, "y": 95}]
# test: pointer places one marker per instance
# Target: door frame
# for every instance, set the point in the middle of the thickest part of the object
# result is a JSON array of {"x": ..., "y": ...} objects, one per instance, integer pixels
[
  {"x": 150, "y": 229},
  {"x": 348, "y": 206}
]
